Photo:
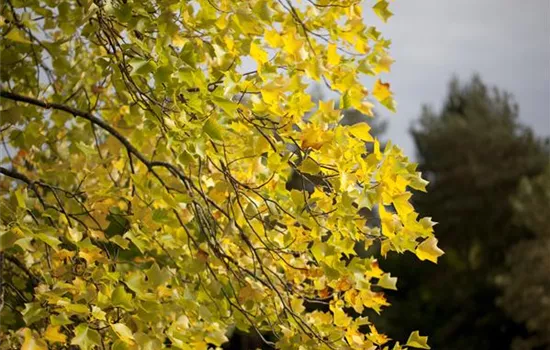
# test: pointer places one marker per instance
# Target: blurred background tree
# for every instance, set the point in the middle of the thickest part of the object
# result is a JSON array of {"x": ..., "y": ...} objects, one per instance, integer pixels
[
  {"x": 526, "y": 284},
  {"x": 474, "y": 152}
]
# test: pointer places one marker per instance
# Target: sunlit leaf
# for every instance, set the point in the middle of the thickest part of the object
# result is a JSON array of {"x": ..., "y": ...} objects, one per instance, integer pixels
[
  {"x": 417, "y": 341},
  {"x": 428, "y": 250},
  {"x": 85, "y": 337}
]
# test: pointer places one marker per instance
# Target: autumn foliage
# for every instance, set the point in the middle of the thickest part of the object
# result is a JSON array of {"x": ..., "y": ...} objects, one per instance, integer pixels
[{"x": 144, "y": 191}]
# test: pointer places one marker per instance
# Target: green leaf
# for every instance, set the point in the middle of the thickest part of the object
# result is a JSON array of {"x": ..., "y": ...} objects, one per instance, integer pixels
[
  {"x": 17, "y": 36},
  {"x": 147, "y": 343},
  {"x": 263, "y": 10},
  {"x": 122, "y": 299},
  {"x": 163, "y": 74},
  {"x": 185, "y": 158},
  {"x": 118, "y": 224},
  {"x": 188, "y": 54},
  {"x": 141, "y": 66},
  {"x": 49, "y": 240},
  {"x": 345, "y": 101},
  {"x": 156, "y": 276},
  {"x": 80, "y": 309},
  {"x": 319, "y": 250},
  {"x": 120, "y": 241},
  {"x": 85, "y": 337},
  {"x": 20, "y": 195},
  {"x": 381, "y": 10},
  {"x": 33, "y": 312},
  {"x": 7, "y": 239},
  {"x": 213, "y": 129},
  {"x": 226, "y": 105},
  {"x": 161, "y": 216},
  {"x": 86, "y": 149},
  {"x": 60, "y": 320},
  {"x": 11, "y": 115},
  {"x": 138, "y": 242},
  {"x": 120, "y": 345}
]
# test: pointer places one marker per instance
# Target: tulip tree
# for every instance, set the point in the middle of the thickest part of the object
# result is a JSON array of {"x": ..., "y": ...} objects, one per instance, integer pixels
[{"x": 147, "y": 147}]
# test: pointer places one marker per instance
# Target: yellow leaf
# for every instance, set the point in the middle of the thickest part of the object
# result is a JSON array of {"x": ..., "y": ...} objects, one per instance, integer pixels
[
  {"x": 258, "y": 54},
  {"x": 222, "y": 22},
  {"x": 428, "y": 250},
  {"x": 297, "y": 305},
  {"x": 361, "y": 45},
  {"x": 53, "y": 335},
  {"x": 178, "y": 41},
  {"x": 249, "y": 293},
  {"x": 314, "y": 137},
  {"x": 229, "y": 43},
  {"x": 366, "y": 108},
  {"x": 361, "y": 131},
  {"x": 75, "y": 234},
  {"x": 375, "y": 337},
  {"x": 402, "y": 205},
  {"x": 91, "y": 255},
  {"x": 388, "y": 282},
  {"x": 32, "y": 341},
  {"x": 291, "y": 43},
  {"x": 98, "y": 314},
  {"x": 381, "y": 90},
  {"x": 355, "y": 338},
  {"x": 123, "y": 332},
  {"x": 273, "y": 38},
  {"x": 309, "y": 166},
  {"x": 321, "y": 317},
  {"x": 417, "y": 341},
  {"x": 341, "y": 319},
  {"x": 332, "y": 56},
  {"x": 328, "y": 110},
  {"x": 312, "y": 68},
  {"x": 384, "y": 64},
  {"x": 387, "y": 222}
]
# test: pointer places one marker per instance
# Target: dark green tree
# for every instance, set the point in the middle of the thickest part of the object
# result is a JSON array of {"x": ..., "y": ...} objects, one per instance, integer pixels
[
  {"x": 526, "y": 285},
  {"x": 474, "y": 152}
]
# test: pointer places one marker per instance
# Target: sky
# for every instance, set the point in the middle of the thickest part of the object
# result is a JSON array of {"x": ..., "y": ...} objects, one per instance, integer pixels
[{"x": 506, "y": 41}]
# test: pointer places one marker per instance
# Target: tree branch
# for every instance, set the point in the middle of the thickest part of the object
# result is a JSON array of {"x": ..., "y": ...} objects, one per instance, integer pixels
[
  {"x": 21, "y": 177},
  {"x": 96, "y": 121},
  {"x": 35, "y": 280},
  {"x": 77, "y": 113}
]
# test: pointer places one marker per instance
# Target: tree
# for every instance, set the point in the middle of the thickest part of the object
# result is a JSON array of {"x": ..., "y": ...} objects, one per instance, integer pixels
[
  {"x": 474, "y": 152},
  {"x": 144, "y": 197},
  {"x": 525, "y": 284}
]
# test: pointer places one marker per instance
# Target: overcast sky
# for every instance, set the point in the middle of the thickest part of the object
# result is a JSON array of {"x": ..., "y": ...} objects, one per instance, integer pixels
[{"x": 506, "y": 41}]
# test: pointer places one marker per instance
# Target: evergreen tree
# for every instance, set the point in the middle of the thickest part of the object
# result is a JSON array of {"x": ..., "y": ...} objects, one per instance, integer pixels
[{"x": 526, "y": 286}]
